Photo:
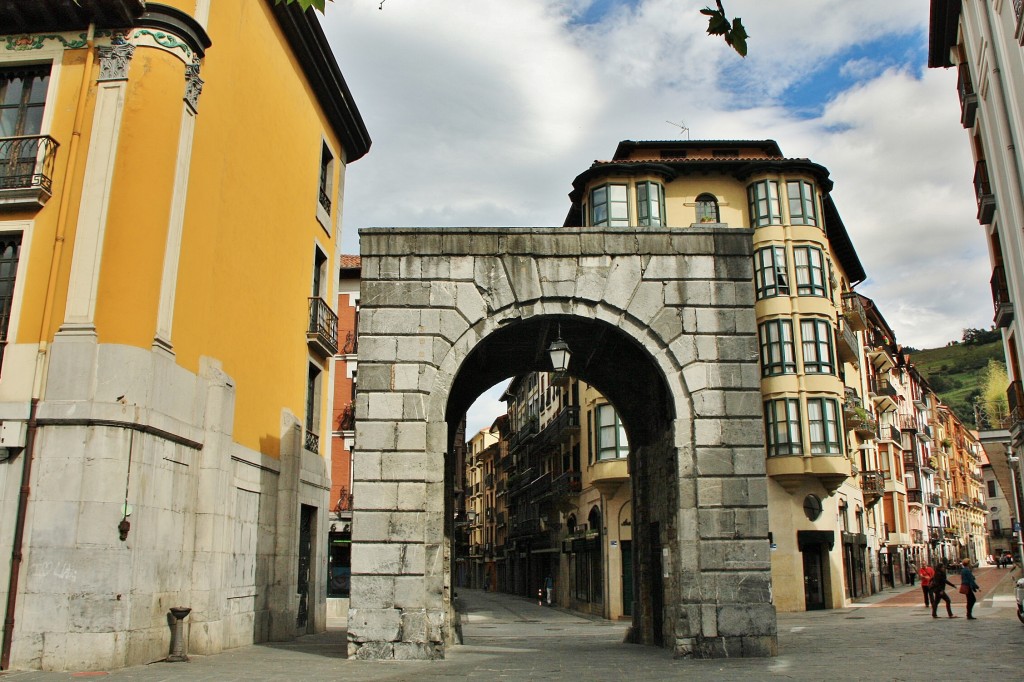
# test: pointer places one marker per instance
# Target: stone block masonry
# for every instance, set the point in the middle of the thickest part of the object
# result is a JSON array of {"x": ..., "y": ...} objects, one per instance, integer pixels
[{"x": 677, "y": 304}]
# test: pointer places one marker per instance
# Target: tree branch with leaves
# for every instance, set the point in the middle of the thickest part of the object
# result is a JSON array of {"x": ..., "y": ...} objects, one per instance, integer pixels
[{"x": 733, "y": 32}]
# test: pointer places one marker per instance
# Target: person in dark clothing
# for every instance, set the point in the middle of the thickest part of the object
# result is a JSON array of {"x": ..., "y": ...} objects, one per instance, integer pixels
[
  {"x": 938, "y": 587},
  {"x": 968, "y": 586}
]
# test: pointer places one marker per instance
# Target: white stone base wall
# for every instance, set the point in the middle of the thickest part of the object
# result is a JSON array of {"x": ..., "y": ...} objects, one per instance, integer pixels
[{"x": 208, "y": 517}]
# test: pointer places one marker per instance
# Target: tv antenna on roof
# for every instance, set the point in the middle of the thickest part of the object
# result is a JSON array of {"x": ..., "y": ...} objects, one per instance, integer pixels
[{"x": 682, "y": 128}]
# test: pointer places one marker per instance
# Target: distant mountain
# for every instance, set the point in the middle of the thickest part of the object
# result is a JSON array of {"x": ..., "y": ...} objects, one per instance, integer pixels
[{"x": 957, "y": 373}]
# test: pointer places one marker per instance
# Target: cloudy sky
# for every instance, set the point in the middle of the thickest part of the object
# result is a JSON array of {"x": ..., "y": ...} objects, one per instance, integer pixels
[{"x": 483, "y": 111}]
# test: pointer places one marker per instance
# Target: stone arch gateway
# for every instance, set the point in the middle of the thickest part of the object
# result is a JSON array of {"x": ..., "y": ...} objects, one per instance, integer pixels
[{"x": 661, "y": 320}]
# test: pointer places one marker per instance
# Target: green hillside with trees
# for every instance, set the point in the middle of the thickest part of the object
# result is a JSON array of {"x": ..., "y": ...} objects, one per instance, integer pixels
[{"x": 965, "y": 371}]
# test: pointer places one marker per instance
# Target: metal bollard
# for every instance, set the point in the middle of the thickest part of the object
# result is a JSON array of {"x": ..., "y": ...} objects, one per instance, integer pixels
[{"x": 178, "y": 634}]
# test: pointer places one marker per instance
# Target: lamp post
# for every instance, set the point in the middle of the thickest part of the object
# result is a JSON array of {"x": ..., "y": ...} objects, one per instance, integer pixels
[{"x": 1013, "y": 461}]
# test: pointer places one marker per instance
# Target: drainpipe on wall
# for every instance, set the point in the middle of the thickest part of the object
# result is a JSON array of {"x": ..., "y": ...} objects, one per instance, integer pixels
[
  {"x": 40, "y": 369},
  {"x": 19, "y": 534}
]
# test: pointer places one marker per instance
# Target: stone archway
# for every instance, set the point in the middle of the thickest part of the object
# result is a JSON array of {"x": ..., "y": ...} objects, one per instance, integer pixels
[{"x": 663, "y": 315}]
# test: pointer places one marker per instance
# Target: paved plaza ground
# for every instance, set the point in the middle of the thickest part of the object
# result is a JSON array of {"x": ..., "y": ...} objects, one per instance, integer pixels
[{"x": 890, "y": 636}]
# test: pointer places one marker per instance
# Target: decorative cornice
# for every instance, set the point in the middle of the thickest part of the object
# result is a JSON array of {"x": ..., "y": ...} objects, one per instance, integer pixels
[
  {"x": 114, "y": 60},
  {"x": 171, "y": 28}
]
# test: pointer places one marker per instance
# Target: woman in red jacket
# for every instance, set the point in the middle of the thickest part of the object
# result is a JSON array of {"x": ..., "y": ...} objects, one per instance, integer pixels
[{"x": 926, "y": 573}]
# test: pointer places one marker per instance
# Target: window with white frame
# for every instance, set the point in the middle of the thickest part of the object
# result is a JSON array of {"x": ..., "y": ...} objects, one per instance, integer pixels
[
  {"x": 809, "y": 269},
  {"x": 763, "y": 199},
  {"x": 609, "y": 206},
  {"x": 778, "y": 355},
  {"x": 823, "y": 426},
  {"x": 816, "y": 338},
  {"x": 782, "y": 427},
  {"x": 770, "y": 278},
  {"x": 650, "y": 203},
  {"x": 802, "y": 209},
  {"x": 611, "y": 436}
]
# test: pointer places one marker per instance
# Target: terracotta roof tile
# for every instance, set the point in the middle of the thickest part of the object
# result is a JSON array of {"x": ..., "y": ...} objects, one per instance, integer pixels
[{"x": 349, "y": 262}]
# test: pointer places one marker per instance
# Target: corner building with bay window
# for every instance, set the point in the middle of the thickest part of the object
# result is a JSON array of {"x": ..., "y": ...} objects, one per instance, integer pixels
[
  {"x": 810, "y": 355},
  {"x": 171, "y": 183}
]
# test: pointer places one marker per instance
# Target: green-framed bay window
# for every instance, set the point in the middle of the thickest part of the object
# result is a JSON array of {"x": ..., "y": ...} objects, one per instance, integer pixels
[
  {"x": 809, "y": 271},
  {"x": 802, "y": 207},
  {"x": 763, "y": 201},
  {"x": 609, "y": 206},
  {"x": 778, "y": 355},
  {"x": 611, "y": 436},
  {"x": 782, "y": 427},
  {"x": 823, "y": 426},
  {"x": 650, "y": 203},
  {"x": 816, "y": 338},
  {"x": 770, "y": 277}
]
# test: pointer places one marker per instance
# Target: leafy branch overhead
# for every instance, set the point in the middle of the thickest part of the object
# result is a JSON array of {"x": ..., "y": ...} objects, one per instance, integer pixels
[{"x": 733, "y": 32}]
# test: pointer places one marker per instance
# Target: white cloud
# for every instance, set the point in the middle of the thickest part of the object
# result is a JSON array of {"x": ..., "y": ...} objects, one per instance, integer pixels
[{"x": 482, "y": 113}]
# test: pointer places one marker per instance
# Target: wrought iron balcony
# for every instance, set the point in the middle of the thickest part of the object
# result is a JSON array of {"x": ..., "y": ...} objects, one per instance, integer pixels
[
  {"x": 561, "y": 427},
  {"x": 322, "y": 332},
  {"x": 1015, "y": 401},
  {"x": 983, "y": 193},
  {"x": 347, "y": 417},
  {"x": 968, "y": 98},
  {"x": 566, "y": 484},
  {"x": 914, "y": 496},
  {"x": 849, "y": 349},
  {"x": 351, "y": 345},
  {"x": 26, "y": 171},
  {"x": 527, "y": 431},
  {"x": 934, "y": 500},
  {"x": 312, "y": 442},
  {"x": 872, "y": 484},
  {"x": 1001, "y": 297},
  {"x": 853, "y": 311}
]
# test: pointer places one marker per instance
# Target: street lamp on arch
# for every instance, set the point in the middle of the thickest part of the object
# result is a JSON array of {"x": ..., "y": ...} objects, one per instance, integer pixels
[{"x": 559, "y": 353}]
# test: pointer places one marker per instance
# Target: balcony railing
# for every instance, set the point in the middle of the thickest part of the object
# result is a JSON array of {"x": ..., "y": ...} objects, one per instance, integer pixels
[
  {"x": 934, "y": 500},
  {"x": 347, "y": 417},
  {"x": 351, "y": 345},
  {"x": 890, "y": 433},
  {"x": 566, "y": 484},
  {"x": 1015, "y": 401},
  {"x": 322, "y": 332},
  {"x": 26, "y": 171},
  {"x": 968, "y": 98},
  {"x": 561, "y": 427},
  {"x": 914, "y": 496},
  {"x": 1001, "y": 297},
  {"x": 983, "y": 193},
  {"x": 849, "y": 349},
  {"x": 872, "y": 483},
  {"x": 853, "y": 311},
  {"x": 312, "y": 442}
]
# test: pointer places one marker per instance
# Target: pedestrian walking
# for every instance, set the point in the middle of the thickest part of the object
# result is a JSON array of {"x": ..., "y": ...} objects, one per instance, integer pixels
[
  {"x": 926, "y": 574},
  {"x": 968, "y": 586},
  {"x": 938, "y": 588},
  {"x": 549, "y": 587},
  {"x": 911, "y": 571}
]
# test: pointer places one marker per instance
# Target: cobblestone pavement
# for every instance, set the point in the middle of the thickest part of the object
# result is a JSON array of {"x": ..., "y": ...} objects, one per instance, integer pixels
[{"x": 890, "y": 636}]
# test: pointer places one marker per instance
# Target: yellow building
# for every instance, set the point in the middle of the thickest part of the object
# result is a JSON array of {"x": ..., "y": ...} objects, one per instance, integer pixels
[
  {"x": 804, "y": 265},
  {"x": 170, "y": 198}
]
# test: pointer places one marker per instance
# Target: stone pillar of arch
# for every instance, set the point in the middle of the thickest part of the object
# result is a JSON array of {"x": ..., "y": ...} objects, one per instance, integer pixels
[{"x": 667, "y": 320}]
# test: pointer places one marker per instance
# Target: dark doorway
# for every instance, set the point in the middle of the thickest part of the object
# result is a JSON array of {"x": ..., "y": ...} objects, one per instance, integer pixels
[
  {"x": 627, "y": 577},
  {"x": 657, "y": 585},
  {"x": 814, "y": 579},
  {"x": 307, "y": 514}
]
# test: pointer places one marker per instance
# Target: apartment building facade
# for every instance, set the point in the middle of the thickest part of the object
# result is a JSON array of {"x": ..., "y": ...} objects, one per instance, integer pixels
[
  {"x": 169, "y": 225},
  {"x": 856, "y": 491},
  {"x": 983, "y": 42}
]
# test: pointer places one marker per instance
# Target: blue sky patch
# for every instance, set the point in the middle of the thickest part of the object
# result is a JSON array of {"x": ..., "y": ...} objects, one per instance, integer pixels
[
  {"x": 599, "y": 9},
  {"x": 808, "y": 96}
]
